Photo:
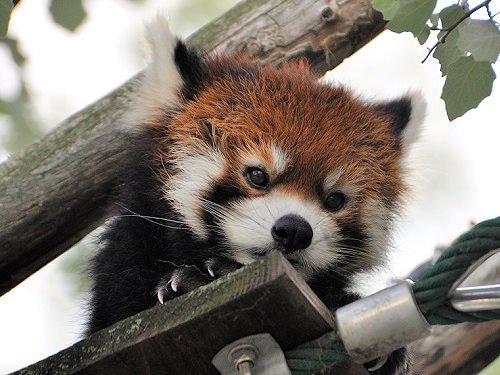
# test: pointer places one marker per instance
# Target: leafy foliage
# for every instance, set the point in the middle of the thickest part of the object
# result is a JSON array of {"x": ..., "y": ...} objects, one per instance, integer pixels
[
  {"x": 466, "y": 48},
  {"x": 412, "y": 16},
  {"x": 5, "y": 10},
  {"x": 388, "y": 8},
  {"x": 481, "y": 39},
  {"x": 448, "y": 51},
  {"x": 68, "y": 13},
  {"x": 467, "y": 84}
]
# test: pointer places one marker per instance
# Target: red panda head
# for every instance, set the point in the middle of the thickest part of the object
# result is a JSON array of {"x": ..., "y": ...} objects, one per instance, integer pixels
[{"x": 260, "y": 159}]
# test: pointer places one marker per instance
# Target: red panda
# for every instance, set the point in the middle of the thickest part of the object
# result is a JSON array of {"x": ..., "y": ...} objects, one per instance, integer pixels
[{"x": 230, "y": 160}]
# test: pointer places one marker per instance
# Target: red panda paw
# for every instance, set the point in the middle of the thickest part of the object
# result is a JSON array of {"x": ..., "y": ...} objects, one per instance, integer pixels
[
  {"x": 396, "y": 363},
  {"x": 186, "y": 278}
]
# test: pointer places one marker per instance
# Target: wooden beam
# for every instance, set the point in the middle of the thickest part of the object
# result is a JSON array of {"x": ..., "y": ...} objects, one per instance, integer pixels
[
  {"x": 182, "y": 336},
  {"x": 461, "y": 349},
  {"x": 60, "y": 188}
]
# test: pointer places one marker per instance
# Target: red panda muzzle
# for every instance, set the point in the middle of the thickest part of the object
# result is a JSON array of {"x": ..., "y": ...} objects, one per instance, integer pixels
[{"x": 292, "y": 232}]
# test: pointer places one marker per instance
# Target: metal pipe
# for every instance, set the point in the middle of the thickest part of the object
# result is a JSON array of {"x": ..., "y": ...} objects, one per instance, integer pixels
[
  {"x": 476, "y": 298},
  {"x": 381, "y": 323}
]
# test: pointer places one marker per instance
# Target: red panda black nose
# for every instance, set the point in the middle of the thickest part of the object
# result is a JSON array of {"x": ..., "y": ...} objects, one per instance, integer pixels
[{"x": 293, "y": 232}]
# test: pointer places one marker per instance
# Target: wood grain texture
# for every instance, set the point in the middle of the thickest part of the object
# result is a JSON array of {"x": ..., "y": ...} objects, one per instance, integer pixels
[
  {"x": 182, "y": 336},
  {"x": 462, "y": 349},
  {"x": 60, "y": 188}
]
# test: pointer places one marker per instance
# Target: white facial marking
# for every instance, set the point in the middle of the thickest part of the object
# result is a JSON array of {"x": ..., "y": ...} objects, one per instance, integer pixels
[
  {"x": 377, "y": 221},
  {"x": 331, "y": 180},
  {"x": 350, "y": 188},
  {"x": 186, "y": 188},
  {"x": 280, "y": 159},
  {"x": 247, "y": 226}
]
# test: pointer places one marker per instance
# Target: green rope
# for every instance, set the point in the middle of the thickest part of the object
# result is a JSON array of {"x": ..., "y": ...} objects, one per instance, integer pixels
[
  {"x": 432, "y": 288},
  {"x": 316, "y": 355},
  {"x": 431, "y": 293}
]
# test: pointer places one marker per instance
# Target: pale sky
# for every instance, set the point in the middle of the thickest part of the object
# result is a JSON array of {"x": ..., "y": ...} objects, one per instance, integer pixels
[{"x": 457, "y": 177}]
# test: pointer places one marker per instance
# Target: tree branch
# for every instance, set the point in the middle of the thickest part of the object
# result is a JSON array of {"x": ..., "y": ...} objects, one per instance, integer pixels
[{"x": 448, "y": 30}]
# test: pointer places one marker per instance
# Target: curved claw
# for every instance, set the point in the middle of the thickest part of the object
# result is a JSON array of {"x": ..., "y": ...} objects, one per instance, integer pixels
[
  {"x": 162, "y": 291},
  {"x": 161, "y": 295},
  {"x": 379, "y": 363},
  {"x": 210, "y": 271}
]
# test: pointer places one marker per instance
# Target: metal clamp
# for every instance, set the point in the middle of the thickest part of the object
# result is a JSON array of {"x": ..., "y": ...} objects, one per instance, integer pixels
[
  {"x": 381, "y": 323},
  {"x": 251, "y": 355},
  {"x": 467, "y": 296}
]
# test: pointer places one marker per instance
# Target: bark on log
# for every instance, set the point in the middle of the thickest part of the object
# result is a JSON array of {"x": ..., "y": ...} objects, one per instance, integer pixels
[
  {"x": 59, "y": 189},
  {"x": 462, "y": 349}
]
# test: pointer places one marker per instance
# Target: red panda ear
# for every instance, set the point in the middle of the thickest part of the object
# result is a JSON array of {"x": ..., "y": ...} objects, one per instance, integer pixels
[
  {"x": 407, "y": 115},
  {"x": 175, "y": 71},
  {"x": 191, "y": 66}
]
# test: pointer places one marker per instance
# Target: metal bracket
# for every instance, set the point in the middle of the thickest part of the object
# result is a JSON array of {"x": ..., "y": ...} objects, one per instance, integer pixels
[
  {"x": 381, "y": 323},
  {"x": 467, "y": 296},
  {"x": 252, "y": 355}
]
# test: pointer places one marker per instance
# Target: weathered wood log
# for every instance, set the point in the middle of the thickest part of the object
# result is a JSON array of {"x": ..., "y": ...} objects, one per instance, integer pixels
[
  {"x": 462, "y": 349},
  {"x": 59, "y": 189},
  {"x": 182, "y": 336}
]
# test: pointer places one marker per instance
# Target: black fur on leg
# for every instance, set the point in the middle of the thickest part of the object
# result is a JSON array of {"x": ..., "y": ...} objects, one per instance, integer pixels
[
  {"x": 398, "y": 363},
  {"x": 140, "y": 246}
]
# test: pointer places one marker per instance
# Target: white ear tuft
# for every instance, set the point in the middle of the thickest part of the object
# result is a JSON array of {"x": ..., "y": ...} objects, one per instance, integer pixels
[
  {"x": 413, "y": 129},
  {"x": 162, "y": 82},
  {"x": 162, "y": 70}
]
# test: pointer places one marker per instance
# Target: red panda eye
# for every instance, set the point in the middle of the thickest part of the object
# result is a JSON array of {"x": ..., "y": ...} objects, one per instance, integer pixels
[
  {"x": 257, "y": 177},
  {"x": 336, "y": 201}
]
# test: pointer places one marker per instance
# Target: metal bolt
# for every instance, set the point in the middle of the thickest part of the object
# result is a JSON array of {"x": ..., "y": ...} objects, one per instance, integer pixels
[
  {"x": 327, "y": 13},
  {"x": 244, "y": 357},
  {"x": 245, "y": 368}
]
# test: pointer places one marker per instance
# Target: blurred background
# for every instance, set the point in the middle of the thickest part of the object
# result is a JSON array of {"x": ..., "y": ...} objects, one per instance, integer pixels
[{"x": 52, "y": 72}]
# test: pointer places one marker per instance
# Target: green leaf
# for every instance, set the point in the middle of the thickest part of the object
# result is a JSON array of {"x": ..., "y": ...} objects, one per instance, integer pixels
[
  {"x": 16, "y": 54},
  {"x": 412, "y": 15},
  {"x": 448, "y": 52},
  {"x": 5, "y": 10},
  {"x": 424, "y": 34},
  {"x": 467, "y": 84},
  {"x": 451, "y": 14},
  {"x": 68, "y": 13},
  {"x": 481, "y": 38},
  {"x": 434, "y": 20},
  {"x": 387, "y": 7}
]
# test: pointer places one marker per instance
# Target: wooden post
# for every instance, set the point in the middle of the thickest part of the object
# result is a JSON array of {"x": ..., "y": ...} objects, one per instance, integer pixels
[{"x": 60, "y": 188}]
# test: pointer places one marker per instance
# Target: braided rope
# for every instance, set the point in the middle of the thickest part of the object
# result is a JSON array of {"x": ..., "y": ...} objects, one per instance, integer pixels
[
  {"x": 432, "y": 288},
  {"x": 316, "y": 355}
]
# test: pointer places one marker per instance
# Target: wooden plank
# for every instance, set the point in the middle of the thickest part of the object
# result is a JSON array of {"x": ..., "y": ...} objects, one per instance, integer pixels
[
  {"x": 59, "y": 189},
  {"x": 182, "y": 336},
  {"x": 462, "y": 349}
]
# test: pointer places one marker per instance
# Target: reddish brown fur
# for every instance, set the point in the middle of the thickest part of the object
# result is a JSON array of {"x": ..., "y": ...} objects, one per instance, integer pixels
[{"x": 320, "y": 128}]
